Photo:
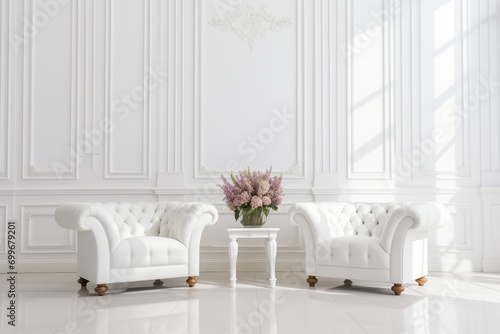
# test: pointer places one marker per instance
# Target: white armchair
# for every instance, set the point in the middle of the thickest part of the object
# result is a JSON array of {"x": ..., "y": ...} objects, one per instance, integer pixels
[
  {"x": 385, "y": 242},
  {"x": 124, "y": 242}
]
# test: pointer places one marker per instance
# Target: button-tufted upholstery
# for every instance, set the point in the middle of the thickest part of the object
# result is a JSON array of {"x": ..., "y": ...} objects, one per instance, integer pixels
[
  {"x": 123, "y": 242},
  {"x": 367, "y": 241}
]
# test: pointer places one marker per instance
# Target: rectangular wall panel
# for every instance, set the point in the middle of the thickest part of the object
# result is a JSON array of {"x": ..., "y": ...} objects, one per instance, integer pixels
[
  {"x": 93, "y": 131},
  {"x": 494, "y": 83},
  {"x": 458, "y": 235},
  {"x": 171, "y": 59},
  {"x": 249, "y": 87},
  {"x": 41, "y": 234},
  {"x": 369, "y": 82},
  {"x": 326, "y": 78},
  {"x": 487, "y": 91},
  {"x": 4, "y": 89},
  {"x": 50, "y": 84},
  {"x": 50, "y": 91},
  {"x": 494, "y": 223},
  {"x": 129, "y": 81},
  {"x": 443, "y": 122},
  {"x": 3, "y": 228}
]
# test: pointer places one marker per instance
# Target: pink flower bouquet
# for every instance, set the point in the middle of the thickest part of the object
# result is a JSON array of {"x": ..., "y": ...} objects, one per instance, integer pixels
[{"x": 252, "y": 191}]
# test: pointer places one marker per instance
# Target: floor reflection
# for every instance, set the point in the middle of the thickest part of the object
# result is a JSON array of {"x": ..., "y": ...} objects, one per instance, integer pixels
[
  {"x": 449, "y": 303},
  {"x": 134, "y": 311},
  {"x": 264, "y": 315}
]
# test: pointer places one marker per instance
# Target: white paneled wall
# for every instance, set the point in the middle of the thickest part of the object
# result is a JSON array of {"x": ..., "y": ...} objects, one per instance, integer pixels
[
  {"x": 50, "y": 96},
  {"x": 3, "y": 226},
  {"x": 4, "y": 90},
  {"x": 352, "y": 100},
  {"x": 252, "y": 93}
]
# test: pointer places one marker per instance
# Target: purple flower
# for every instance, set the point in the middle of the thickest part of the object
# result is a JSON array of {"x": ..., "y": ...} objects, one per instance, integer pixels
[
  {"x": 252, "y": 190},
  {"x": 230, "y": 205},
  {"x": 256, "y": 202}
]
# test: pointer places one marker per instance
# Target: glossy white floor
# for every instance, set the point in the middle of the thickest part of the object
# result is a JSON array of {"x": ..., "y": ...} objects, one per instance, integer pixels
[{"x": 449, "y": 303}]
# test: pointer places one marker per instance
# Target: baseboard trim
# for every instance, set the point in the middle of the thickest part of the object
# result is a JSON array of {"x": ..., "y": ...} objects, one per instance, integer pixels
[
  {"x": 459, "y": 265},
  {"x": 282, "y": 265},
  {"x": 491, "y": 266}
]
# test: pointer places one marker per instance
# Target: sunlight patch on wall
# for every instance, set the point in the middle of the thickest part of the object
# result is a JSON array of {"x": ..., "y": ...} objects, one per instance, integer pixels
[
  {"x": 444, "y": 74},
  {"x": 444, "y": 18}
]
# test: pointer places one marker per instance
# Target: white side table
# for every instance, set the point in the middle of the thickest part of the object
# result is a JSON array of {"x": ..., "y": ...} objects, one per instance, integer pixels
[{"x": 253, "y": 232}]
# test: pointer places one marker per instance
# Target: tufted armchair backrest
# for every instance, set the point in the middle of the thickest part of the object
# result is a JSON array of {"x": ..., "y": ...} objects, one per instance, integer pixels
[
  {"x": 134, "y": 219},
  {"x": 363, "y": 219}
]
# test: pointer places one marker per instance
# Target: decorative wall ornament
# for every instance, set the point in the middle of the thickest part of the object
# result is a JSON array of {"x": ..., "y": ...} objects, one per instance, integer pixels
[{"x": 250, "y": 23}]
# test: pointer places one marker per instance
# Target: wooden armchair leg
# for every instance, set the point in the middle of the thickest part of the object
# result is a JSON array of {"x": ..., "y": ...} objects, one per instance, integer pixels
[
  {"x": 312, "y": 280},
  {"x": 101, "y": 289},
  {"x": 83, "y": 281},
  {"x": 191, "y": 281},
  {"x": 421, "y": 281},
  {"x": 397, "y": 289}
]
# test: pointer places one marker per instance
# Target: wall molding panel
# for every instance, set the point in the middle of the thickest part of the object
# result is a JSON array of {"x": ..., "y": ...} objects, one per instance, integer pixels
[
  {"x": 489, "y": 91},
  {"x": 171, "y": 36},
  {"x": 122, "y": 103},
  {"x": 171, "y": 61},
  {"x": 4, "y": 89},
  {"x": 62, "y": 164},
  {"x": 458, "y": 236},
  {"x": 264, "y": 135},
  {"x": 90, "y": 119},
  {"x": 491, "y": 232},
  {"x": 448, "y": 112},
  {"x": 326, "y": 99},
  {"x": 3, "y": 228},
  {"x": 370, "y": 148},
  {"x": 494, "y": 229},
  {"x": 495, "y": 80},
  {"x": 38, "y": 222}
]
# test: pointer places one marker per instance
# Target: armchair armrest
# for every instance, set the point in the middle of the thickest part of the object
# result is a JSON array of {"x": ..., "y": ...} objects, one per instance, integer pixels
[
  {"x": 311, "y": 217},
  {"x": 83, "y": 217},
  {"x": 425, "y": 216},
  {"x": 315, "y": 219},
  {"x": 308, "y": 217}
]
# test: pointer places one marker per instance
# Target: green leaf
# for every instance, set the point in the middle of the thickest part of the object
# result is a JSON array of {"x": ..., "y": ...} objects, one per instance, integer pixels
[{"x": 236, "y": 214}]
